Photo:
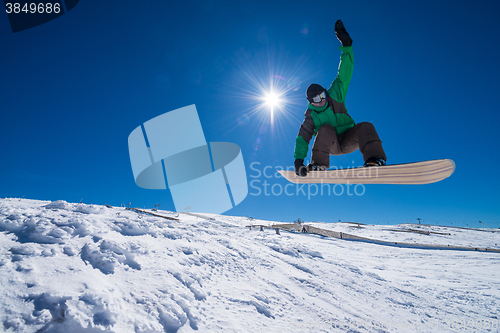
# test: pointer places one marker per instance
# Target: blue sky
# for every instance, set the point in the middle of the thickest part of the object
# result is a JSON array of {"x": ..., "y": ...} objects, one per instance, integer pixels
[{"x": 426, "y": 75}]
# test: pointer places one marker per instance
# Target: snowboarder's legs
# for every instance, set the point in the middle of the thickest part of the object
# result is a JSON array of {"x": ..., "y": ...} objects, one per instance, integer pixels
[
  {"x": 325, "y": 144},
  {"x": 363, "y": 136}
]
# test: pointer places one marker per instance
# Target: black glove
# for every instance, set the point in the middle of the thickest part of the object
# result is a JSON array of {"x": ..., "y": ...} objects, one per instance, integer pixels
[
  {"x": 300, "y": 168},
  {"x": 342, "y": 34}
]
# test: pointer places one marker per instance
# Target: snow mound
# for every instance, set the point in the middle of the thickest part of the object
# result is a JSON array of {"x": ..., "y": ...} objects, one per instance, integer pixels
[
  {"x": 59, "y": 204},
  {"x": 81, "y": 208}
]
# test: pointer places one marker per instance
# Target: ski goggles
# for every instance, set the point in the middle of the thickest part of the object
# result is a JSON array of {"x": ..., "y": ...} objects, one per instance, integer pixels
[{"x": 318, "y": 98}]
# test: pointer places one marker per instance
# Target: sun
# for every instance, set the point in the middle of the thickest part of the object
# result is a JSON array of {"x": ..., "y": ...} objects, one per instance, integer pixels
[
  {"x": 272, "y": 99},
  {"x": 268, "y": 89}
]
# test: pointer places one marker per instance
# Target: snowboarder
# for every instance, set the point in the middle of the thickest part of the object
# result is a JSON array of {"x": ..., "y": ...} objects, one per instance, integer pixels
[{"x": 327, "y": 118}]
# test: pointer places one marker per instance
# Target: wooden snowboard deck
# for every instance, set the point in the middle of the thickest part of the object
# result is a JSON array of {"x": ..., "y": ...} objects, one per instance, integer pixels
[{"x": 425, "y": 172}]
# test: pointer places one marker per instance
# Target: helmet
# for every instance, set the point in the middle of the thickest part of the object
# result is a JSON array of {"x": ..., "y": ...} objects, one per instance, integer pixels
[{"x": 313, "y": 90}]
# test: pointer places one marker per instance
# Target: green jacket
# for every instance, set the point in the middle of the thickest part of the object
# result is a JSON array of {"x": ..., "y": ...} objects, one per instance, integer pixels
[{"x": 334, "y": 112}]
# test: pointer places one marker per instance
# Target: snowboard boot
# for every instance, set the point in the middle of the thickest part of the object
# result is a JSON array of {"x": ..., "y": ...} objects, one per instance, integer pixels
[
  {"x": 372, "y": 161},
  {"x": 316, "y": 167}
]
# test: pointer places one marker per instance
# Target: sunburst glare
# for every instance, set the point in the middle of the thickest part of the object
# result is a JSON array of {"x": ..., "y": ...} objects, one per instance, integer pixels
[
  {"x": 267, "y": 94},
  {"x": 270, "y": 92}
]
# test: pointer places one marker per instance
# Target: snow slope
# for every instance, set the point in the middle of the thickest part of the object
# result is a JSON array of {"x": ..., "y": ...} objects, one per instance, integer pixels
[{"x": 82, "y": 268}]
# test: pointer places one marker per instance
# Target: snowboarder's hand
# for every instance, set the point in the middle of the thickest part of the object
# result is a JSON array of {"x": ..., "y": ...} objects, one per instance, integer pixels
[
  {"x": 300, "y": 168},
  {"x": 342, "y": 34}
]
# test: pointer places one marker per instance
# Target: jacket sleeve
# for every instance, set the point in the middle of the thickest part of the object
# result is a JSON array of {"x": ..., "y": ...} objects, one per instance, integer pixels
[
  {"x": 305, "y": 135},
  {"x": 338, "y": 89}
]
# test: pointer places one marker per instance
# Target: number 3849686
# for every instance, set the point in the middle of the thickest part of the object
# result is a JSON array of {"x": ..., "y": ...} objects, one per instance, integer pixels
[{"x": 32, "y": 8}]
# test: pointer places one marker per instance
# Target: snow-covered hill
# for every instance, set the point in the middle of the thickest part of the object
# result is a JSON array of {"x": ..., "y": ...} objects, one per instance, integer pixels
[{"x": 81, "y": 268}]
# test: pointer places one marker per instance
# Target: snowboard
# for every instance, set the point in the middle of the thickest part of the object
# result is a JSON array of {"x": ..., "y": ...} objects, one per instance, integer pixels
[{"x": 415, "y": 173}]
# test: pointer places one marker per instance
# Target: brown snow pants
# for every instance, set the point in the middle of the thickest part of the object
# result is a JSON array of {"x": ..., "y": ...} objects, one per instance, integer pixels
[{"x": 362, "y": 136}]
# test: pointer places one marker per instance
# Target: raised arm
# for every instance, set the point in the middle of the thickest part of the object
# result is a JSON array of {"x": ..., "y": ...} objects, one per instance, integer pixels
[{"x": 338, "y": 89}]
